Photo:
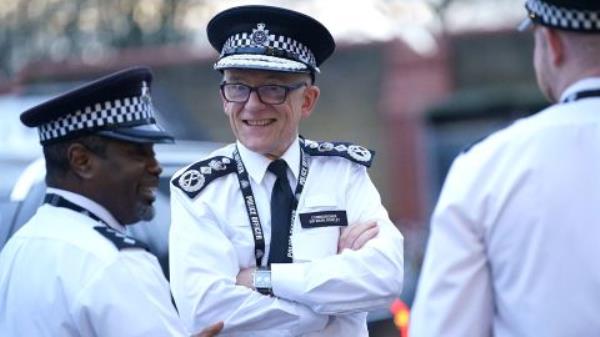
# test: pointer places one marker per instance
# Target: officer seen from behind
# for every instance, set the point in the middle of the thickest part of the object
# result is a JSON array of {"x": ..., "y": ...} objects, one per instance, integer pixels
[{"x": 514, "y": 246}]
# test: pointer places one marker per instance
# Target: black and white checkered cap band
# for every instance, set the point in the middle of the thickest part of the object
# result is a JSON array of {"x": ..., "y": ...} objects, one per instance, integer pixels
[
  {"x": 110, "y": 114},
  {"x": 563, "y": 18},
  {"x": 286, "y": 45}
]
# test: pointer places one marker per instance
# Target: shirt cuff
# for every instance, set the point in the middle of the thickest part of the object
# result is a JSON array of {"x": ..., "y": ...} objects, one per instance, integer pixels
[{"x": 287, "y": 280}]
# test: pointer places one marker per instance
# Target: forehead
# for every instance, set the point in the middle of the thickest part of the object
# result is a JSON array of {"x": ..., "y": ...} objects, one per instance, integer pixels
[
  {"x": 259, "y": 76},
  {"x": 123, "y": 146}
]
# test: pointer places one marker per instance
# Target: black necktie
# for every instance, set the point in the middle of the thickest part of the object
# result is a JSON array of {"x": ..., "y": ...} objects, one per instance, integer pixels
[{"x": 282, "y": 200}]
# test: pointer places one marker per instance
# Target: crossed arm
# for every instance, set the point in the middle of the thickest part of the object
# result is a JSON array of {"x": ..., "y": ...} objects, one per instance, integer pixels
[
  {"x": 353, "y": 238},
  {"x": 209, "y": 286}
]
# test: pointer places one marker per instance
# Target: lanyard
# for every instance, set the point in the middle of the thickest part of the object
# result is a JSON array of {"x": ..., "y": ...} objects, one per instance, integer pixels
[
  {"x": 250, "y": 202},
  {"x": 119, "y": 239},
  {"x": 58, "y": 201},
  {"x": 581, "y": 94}
]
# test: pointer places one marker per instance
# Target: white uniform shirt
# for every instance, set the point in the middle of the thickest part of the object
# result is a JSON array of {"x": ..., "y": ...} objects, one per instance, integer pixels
[
  {"x": 514, "y": 243},
  {"x": 328, "y": 295},
  {"x": 60, "y": 277}
]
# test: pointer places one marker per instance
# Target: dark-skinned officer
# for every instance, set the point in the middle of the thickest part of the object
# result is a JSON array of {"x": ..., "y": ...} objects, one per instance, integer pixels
[{"x": 71, "y": 270}]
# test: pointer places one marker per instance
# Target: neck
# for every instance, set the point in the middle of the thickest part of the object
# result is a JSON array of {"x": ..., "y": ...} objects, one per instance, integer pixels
[
  {"x": 89, "y": 204},
  {"x": 568, "y": 81},
  {"x": 67, "y": 185}
]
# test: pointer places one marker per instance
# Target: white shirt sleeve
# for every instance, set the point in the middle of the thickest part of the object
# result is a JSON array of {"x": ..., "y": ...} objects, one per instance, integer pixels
[
  {"x": 454, "y": 296},
  {"x": 353, "y": 281},
  {"x": 130, "y": 297},
  {"x": 204, "y": 265}
]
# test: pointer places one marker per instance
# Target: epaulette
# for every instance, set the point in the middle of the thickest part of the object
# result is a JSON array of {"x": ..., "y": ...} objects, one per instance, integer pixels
[
  {"x": 120, "y": 240},
  {"x": 356, "y": 153},
  {"x": 193, "y": 180}
]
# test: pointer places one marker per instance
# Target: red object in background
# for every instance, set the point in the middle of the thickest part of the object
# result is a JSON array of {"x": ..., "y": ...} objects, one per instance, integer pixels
[{"x": 401, "y": 314}]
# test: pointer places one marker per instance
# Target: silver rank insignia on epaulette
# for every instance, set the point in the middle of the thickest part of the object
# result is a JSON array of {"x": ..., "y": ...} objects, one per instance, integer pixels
[
  {"x": 200, "y": 174},
  {"x": 355, "y": 153},
  {"x": 191, "y": 181}
]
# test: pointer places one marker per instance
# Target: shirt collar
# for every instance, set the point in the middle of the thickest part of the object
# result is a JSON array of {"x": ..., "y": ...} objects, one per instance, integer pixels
[
  {"x": 90, "y": 205},
  {"x": 589, "y": 83},
  {"x": 256, "y": 164}
]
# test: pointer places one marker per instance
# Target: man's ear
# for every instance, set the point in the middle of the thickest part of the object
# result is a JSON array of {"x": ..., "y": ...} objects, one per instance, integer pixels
[
  {"x": 81, "y": 160},
  {"x": 556, "y": 46},
  {"x": 311, "y": 96}
]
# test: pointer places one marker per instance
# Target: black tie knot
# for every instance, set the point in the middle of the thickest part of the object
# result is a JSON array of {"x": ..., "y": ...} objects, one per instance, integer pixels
[{"x": 279, "y": 168}]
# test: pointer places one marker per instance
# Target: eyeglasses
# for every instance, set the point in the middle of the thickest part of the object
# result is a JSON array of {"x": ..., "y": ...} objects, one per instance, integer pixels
[{"x": 267, "y": 94}]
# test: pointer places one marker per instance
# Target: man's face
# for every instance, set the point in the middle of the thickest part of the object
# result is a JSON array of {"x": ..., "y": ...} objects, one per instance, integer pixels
[
  {"x": 269, "y": 129},
  {"x": 126, "y": 180}
]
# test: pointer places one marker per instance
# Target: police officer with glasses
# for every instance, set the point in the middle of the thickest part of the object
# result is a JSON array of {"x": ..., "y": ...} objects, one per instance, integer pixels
[
  {"x": 275, "y": 234},
  {"x": 514, "y": 237}
]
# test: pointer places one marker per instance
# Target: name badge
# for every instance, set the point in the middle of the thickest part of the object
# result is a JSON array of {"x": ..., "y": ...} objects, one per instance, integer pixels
[{"x": 323, "y": 219}]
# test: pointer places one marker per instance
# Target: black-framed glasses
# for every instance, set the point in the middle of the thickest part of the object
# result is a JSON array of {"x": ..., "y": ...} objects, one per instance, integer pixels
[{"x": 267, "y": 94}]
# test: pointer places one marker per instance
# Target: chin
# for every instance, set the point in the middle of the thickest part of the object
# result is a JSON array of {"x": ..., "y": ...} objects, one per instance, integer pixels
[
  {"x": 146, "y": 213},
  {"x": 141, "y": 212},
  {"x": 254, "y": 146},
  {"x": 267, "y": 148}
]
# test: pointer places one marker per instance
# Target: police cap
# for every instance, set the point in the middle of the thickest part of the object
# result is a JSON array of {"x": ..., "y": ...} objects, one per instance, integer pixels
[
  {"x": 115, "y": 106},
  {"x": 269, "y": 38},
  {"x": 571, "y": 15}
]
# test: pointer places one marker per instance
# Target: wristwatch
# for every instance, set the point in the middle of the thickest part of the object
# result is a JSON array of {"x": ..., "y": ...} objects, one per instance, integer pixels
[{"x": 262, "y": 280}]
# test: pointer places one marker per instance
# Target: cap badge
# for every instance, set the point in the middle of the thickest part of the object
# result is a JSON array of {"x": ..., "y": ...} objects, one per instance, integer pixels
[
  {"x": 146, "y": 93},
  {"x": 260, "y": 35}
]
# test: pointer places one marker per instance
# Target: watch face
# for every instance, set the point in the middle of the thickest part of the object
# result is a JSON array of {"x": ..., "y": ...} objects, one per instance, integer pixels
[{"x": 262, "y": 281}]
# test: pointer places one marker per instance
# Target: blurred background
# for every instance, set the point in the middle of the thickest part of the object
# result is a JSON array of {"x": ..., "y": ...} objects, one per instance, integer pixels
[{"x": 417, "y": 81}]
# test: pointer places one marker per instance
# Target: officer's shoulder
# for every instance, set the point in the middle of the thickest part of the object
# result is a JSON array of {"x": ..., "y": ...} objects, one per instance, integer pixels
[
  {"x": 353, "y": 152},
  {"x": 193, "y": 179},
  {"x": 506, "y": 134},
  {"x": 469, "y": 146},
  {"x": 120, "y": 240}
]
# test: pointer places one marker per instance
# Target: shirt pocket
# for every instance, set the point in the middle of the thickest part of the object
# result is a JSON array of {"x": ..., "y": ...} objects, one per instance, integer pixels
[{"x": 309, "y": 244}]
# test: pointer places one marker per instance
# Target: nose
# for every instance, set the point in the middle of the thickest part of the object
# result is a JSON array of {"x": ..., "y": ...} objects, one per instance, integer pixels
[
  {"x": 254, "y": 101},
  {"x": 154, "y": 166}
]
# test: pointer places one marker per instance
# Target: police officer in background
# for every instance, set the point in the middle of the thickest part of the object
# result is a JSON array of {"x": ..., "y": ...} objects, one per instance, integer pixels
[
  {"x": 71, "y": 270},
  {"x": 514, "y": 237},
  {"x": 275, "y": 234}
]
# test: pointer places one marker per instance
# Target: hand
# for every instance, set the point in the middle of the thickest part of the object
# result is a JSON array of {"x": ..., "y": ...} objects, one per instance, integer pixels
[
  {"x": 356, "y": 236},
  {"x": 211, "y": 331},
  {"x": 246, "y": 278}
]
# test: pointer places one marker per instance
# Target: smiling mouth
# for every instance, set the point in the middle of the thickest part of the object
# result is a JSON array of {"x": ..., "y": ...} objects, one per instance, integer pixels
[
  {"x": 259, "y": 122},
  {"x": 149, "y": 193}
]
